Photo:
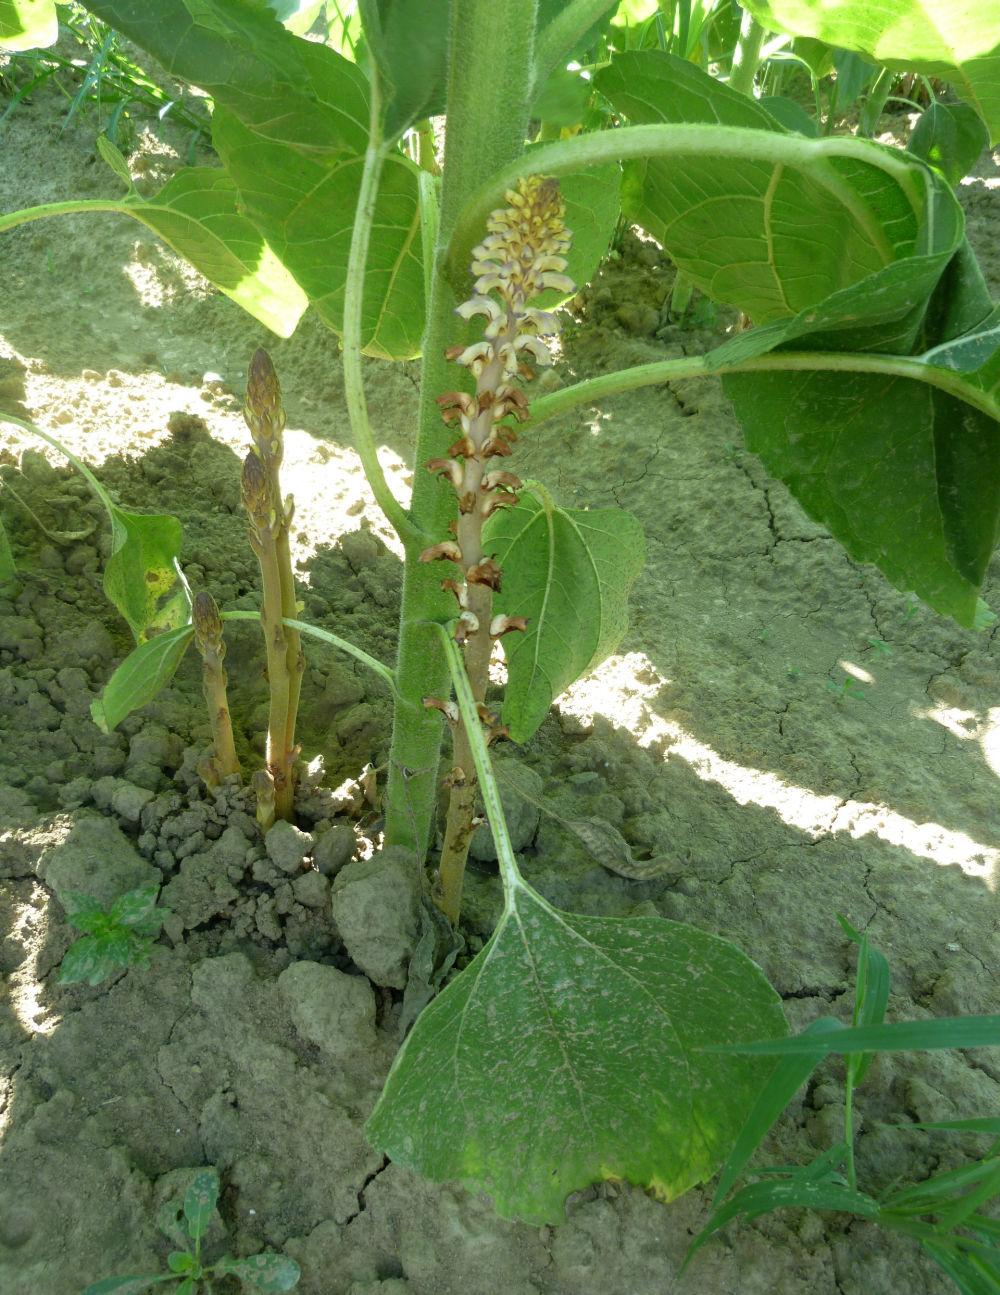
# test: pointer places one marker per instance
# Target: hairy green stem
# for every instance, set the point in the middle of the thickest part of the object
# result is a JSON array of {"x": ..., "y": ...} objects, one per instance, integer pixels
[
  {"x": 354, "y": 389},
  {"x": 746, "y": 57},
  {"x": 489, "y": 790},
  {"x": 11, "y": 219},
  {"x": 495, "y": 38},
  {"x": 558, "y": 36},
  {"x": 875, "y": 101},
  {"x": 693, "y": 366}
]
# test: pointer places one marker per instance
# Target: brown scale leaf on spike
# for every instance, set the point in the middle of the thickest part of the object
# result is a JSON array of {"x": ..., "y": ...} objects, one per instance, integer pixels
[
  {"x": 485, "y": 573},
  {"x": 467, "y": 502},
  {"x": 447, "y": 550},
  {"x": 447, "y": 708},
  {"x": 493, "y": 502},
  {"x": 506, "y": 479},
  {"x": 468, "y": 623},
  {"x": 459, "y": 590},
  {"x": 464, "y": 447},
  {"x": 455, "y": 777},
  {"x": 446, "y": 468},
  {"x": 501, "y": 625},
  {"x": 453, "y": 352}
]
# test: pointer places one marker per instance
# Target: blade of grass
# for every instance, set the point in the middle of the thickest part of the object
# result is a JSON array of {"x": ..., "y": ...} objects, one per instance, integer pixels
[{"x": 901, "y": 1036}]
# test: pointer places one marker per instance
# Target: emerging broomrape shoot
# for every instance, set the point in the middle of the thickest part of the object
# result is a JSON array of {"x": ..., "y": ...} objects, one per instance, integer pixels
[
  {"x": 208, "y": 636},
  {"x": 270, "y": 522},
  {"x": 521, "y": 256}
]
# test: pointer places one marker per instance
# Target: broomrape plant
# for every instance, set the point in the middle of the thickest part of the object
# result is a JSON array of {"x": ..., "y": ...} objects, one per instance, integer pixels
[{"x": 571, "y": 1049}]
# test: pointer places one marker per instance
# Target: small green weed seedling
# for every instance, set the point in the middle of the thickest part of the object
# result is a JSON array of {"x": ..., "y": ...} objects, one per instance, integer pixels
[
  {"x": 115, "y": 938},
  {"x": 945, "y": 1214},
  {"x": 866, "y": 381},
  {"x": 848, "y": 689},
  {"x": 265, "y": 1274}
]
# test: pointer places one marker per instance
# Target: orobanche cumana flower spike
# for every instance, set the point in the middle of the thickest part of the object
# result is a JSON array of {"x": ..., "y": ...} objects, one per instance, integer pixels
[
  {"x": 207, "y": 624},
  {"x": 521, "y": 256},
  {"x": 270, "y": 523}
]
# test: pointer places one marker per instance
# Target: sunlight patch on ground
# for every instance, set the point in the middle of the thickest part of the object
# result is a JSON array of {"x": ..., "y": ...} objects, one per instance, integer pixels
[
  {"x": 856, "y": 672},
  {"x": 28, "y": 929},
  {"x": 970, "y": 726},
  {"x": 621, "y": 690},
  {"x": 97, "y": 416}
]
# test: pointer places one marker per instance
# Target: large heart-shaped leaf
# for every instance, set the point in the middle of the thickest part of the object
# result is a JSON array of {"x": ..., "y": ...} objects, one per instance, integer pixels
[
  {"x": 141, "y": 676},
  {"x": 569, "y": 572},
  {"x": 305, "y": 206},
  {"x": 196, "y": 213},
  {"x": 28, "y": 24},
  {"x": 282, "y": 86},
  {"x": 957, "y": 40},
  {"x": 568, "y": 1053},
  {"x": 771, "y": 238}
]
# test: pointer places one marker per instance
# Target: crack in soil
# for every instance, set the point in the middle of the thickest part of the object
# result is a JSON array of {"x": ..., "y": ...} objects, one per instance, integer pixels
[{"x": 362, "y": 1201}]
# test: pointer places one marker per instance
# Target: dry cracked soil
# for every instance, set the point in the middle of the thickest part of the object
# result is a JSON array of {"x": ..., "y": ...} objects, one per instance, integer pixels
[{"x": 721, "y": 739}]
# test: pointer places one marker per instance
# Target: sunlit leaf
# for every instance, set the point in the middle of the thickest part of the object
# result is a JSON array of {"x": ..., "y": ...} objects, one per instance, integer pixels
[
  {"x": 956, "y": 40},
  {"x": 567, "y": 1052},
  {"x": 305, "y": 205},
  {"x": 28, "y": 24},
  {"x": 196, "y": 214}
]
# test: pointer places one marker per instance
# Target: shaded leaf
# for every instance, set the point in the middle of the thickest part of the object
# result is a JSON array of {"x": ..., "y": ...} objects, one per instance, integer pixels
[
  {"x": 897, "y": 459},
  {"x": 409, "y": 39},
  {"x": 951, "y": 136},
  {"x": 569, "y": 572},
  {"x": 790, "y": 114},
  {"x": 199, "y": 1202},
  {"x": 265, "y": 1272},
  {"x": 983, "y": 1124},
  {"x": 956, "y": 40},
  {"x": 769, "y": 238},
  {"x": 179, "y": 1261},
  {"x": 141, "y": 575},
  {"x": 196, "y": 214},
  {"x": 28, "y": 24},
  {"x": 84, "y": 912},
  {"x": 279, "y": 84},
  {"x": 567, "y": 1053},
  {"x": 305, "y": 206},
  {"x": 871, "y": 993},
  {"x": 141, "y": 676}
]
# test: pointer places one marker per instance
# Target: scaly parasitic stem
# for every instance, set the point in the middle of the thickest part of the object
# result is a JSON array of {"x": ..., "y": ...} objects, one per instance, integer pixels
[{"x": 521, "y": 256}]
